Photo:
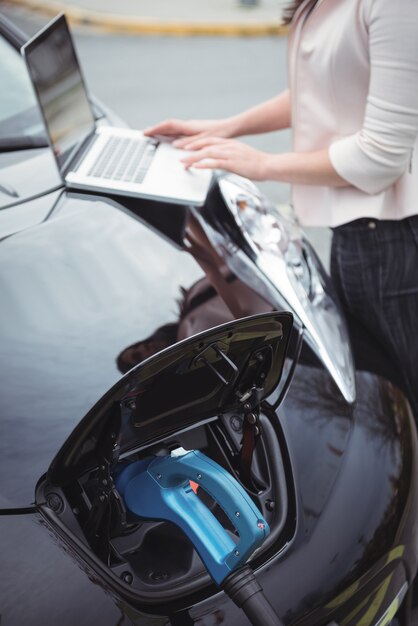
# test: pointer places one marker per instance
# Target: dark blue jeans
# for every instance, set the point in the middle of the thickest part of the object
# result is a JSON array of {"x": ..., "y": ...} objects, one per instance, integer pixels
[{"x": 374, "y": 267}]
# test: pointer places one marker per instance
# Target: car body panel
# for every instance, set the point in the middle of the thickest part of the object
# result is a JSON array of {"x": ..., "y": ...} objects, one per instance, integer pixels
[
  {"x": 35, "y": 594},
  {"x": 91, "y": 284},
  {"x": 351, "y": 557},
  {"x": 66, "y": 314},
  {"x": 30, "y": 213},
  {"x": 91, "y": 294},
  {"x": 29, "y": 173}
]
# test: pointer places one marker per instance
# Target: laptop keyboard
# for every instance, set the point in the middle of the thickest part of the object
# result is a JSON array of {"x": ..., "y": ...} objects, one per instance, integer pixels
[{"x": 124, "y": 159}]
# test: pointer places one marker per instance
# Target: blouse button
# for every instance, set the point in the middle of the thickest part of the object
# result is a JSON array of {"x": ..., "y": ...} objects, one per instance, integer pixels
[{"x": 372, "y": 224}]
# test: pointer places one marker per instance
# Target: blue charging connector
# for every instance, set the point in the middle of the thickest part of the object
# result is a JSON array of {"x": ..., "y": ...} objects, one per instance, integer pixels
[{"x": 158, "y": 488}]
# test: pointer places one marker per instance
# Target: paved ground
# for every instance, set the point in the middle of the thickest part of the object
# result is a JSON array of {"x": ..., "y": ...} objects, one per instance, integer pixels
[{"x": 165, "y": 16}]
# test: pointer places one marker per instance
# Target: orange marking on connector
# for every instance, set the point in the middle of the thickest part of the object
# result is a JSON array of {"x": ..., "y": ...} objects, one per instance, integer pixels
[{"x": 194, "y": 486}]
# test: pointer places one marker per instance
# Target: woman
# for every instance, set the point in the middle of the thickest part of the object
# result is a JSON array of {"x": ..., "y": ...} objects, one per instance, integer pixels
[{"x": 353, "y": 108}]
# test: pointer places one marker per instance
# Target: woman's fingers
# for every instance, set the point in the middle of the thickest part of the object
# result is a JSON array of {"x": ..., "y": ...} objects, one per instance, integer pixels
[
  {"x": 172, "y": 128},
  {"x": 205, "y": 153},
  {"x": 212, "y": 164},
  {"x": 208, "y": 150},
  {"x": 167, "y": 127},
  {"x": 231, "y": 156},
  {"x": 183, "y": 141},
  {"x": 190, "y": 129},
  {"x": 199, "y": 142}
]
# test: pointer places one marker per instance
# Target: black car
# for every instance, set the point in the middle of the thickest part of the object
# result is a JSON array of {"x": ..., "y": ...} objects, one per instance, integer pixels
[{"x": 133, "y": 329}]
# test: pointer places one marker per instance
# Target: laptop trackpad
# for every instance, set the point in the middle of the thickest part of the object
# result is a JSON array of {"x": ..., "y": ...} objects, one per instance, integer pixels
[{"x": 168, "y": 175}]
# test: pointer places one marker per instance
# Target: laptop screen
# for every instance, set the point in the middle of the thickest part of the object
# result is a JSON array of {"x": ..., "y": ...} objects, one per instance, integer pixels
[{"x": 59, "y": 85}]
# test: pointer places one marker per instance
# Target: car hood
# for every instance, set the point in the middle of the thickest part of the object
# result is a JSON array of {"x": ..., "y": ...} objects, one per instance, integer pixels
[
  {"x": 26, "y": 174},
  {"x": 87, "y": 294},
  {"x": 76, "y": 291}
]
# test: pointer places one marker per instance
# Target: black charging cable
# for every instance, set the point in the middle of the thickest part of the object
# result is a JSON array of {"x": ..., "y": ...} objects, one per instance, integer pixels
[{"x": 246, "y": 592}]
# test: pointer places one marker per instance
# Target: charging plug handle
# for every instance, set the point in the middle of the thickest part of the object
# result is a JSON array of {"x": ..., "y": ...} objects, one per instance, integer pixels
[{"x": 159, "y": 488}]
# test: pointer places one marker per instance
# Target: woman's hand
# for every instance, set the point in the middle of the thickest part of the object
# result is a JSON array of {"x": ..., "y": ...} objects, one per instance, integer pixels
[
  {"x": 303, "y": 168},
  {"x": 190, "y": 130},
  {"x": 273, "y": 114},
  {"x": 226, "y": 154}
]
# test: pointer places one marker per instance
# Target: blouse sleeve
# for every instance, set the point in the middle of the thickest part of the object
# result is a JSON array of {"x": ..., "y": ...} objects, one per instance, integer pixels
[{"x": 380, "y": 152}]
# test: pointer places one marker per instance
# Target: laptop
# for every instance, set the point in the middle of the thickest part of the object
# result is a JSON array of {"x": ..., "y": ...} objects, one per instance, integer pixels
[{"x": 97, "y": 157}]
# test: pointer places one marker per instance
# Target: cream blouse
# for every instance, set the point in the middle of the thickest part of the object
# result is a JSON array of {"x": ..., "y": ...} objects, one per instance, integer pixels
[{"x": 353, "y": 70}]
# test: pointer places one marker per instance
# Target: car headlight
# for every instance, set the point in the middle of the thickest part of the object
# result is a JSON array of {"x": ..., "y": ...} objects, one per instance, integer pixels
[
  {"x": 269, "y": 231},
  {"x": 283, "y": 256}
]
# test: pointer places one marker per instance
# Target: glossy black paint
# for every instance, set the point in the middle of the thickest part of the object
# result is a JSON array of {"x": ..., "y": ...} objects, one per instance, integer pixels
[
  {"x": 93, "y": 279},
  {"x": 90, "y": 285},
  {"x": 77, "y": 290}
]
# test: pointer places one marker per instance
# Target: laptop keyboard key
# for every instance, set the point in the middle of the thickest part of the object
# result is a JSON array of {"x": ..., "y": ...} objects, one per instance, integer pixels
[{"x": 124, "y": 159}]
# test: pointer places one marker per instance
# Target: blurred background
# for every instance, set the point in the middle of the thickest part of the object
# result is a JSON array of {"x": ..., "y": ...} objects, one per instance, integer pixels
[{"x": 148, "y": 60}]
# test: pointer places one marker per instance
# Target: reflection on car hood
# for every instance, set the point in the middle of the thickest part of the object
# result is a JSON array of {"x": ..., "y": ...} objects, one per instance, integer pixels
[
  {"x": 76, "y": 290},
  {"x": 30, "y": 213},
  {"x": 26, "y": 174}
]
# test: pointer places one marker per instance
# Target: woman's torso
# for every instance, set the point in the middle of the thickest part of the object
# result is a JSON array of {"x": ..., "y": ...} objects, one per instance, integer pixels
[{"x": 329, "y": 73}]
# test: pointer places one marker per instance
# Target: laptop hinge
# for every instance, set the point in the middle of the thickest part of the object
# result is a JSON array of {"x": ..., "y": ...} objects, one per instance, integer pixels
[{"x": 73, "y": 162}]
